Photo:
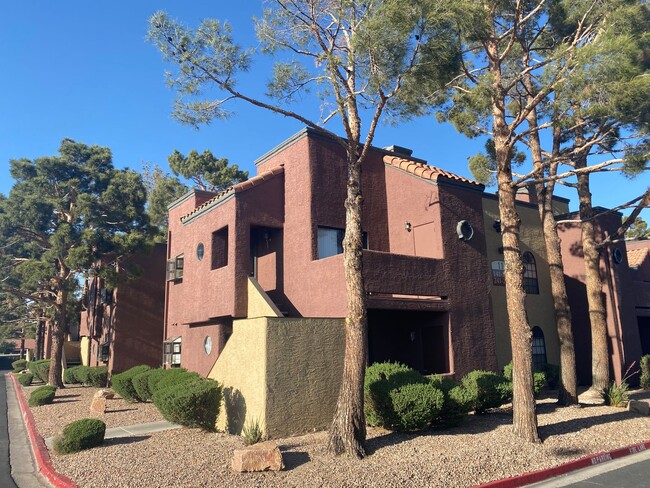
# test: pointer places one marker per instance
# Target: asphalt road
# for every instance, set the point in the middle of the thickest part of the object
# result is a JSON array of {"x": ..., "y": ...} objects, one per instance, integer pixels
[
  {"x": 6, "y": 481},
  {"x": 628, "y": 472}
]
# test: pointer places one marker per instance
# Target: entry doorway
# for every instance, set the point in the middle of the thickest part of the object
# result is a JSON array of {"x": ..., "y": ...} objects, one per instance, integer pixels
[{"x": 417, "y": 339}]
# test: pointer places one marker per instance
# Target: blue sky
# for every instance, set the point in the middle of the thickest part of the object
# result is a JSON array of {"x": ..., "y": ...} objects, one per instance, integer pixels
[{"x": 83, "y": 70}]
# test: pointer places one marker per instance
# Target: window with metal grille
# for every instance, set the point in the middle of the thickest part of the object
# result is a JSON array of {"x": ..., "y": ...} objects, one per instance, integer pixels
[
  {"x": 539, "y": 349},
  {"x": 531, "y": 285}
]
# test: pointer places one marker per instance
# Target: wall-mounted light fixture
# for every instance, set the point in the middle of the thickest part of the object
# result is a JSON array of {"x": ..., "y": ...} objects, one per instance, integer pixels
[
  {"x": 408, "y": 226},
  {"x": 497, "y": 226}
]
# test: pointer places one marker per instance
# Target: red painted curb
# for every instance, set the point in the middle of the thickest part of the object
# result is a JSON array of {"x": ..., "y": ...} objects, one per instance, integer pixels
[
  {"x": 585, "y": 462},
  {"x": 42, "y": 455}
]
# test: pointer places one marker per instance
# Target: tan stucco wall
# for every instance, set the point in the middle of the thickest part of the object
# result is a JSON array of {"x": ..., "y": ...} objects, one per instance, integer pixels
[
  {"x": 259, "y": 303},
  {"x": 241, "y": 369},
  {"x": 304, "y": 369},
  {"x": 539, "y": 307},
  {"x": 85, "y": 350}
]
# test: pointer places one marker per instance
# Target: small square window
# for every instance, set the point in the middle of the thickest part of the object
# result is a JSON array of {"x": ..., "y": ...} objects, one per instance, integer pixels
[{"x": 220, "y": 248}]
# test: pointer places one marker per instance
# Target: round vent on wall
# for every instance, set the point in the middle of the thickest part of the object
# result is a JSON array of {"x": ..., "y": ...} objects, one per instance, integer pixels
[
  {"x": 617, "y": 255},
  {"x": 200, "y": 251},
  {"x": 464, "y": 230},
  {"x": 207, "y": 345}
]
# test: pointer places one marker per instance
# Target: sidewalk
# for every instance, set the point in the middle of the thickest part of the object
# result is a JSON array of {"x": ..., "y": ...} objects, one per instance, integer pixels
[{"x": 130, "y": 431}]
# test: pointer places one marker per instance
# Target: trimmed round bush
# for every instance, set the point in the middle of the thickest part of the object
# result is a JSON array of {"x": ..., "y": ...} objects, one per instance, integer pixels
[
  {"x": 141, "y": 384},
  {"x": 19, "y": 365},
  {"x": 645, "y": 372},
  {"x": 40, "y": 369},
  {"x": 70, "y": 376},
  {"x": 486, "y": 390},
  {"x": 43, "y": 395},
  {"x": 192, "y": 404},
  {"x": 123, "y": 385},
  {"x": 82, "y": 374},
  {"x": 416, "y": 405},
  {"x": 458, "y": 403},
  {"x": 380, "y": 379},
  {"x": 79, "y": 435},
  {"x": 98, "y": 376},
  {"x": 25, "y": 379},
  {"x": 173, "y": 377}
]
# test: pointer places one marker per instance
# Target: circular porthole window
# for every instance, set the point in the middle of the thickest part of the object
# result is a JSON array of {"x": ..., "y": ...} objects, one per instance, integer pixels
[
  {"x": 617, "y": 255},
  {"x": 207, "y": 345},
  {"x": 464, "y": 230},
  {"x": 200, "y": 251}
]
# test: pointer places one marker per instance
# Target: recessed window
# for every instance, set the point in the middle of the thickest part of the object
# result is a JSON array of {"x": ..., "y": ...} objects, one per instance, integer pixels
[
  {"x": 539, "y": 349},
  {"x": 330, "y": 241},
  {"x": 220, "y": 248},
  {"x": 531, "y": 285},
  {"x": 103, "y": 352},
  {"x": 200, "y": 250}
]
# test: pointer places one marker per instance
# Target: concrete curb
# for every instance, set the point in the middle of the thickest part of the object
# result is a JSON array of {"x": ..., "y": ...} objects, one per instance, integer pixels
[
  {"x": 42, "y": 455},
  {"x": 585, "y": 462}
]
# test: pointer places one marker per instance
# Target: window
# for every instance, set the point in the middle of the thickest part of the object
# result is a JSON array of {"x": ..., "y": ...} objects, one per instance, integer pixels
[
  {"x": 330, "y": 241},
  {"x": 531, "y": 286},
  {"x": 172, "y": 352},
  {"x": 539, "y": 349},
  {"x": 175, "y": 268},
  {"x": 498, "y": 277},
  {"x": 220, "y": 248},
  {"x": 103, "y": 352}
]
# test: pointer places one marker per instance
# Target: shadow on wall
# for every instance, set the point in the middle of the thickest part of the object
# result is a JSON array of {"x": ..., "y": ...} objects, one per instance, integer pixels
[{"x": 235, "y": 410}]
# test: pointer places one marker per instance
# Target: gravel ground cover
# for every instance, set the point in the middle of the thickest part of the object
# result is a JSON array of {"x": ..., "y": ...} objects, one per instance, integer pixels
[{"x": 481, "y": 450}]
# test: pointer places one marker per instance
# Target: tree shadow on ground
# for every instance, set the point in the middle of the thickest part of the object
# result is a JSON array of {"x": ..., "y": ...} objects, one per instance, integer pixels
[
  {"x": 576, "y": 425},
  {"x": 58, "y": 400},
  {"x": 118, "y": 441},
  {"x": 293, "y": 459},
  {"x": 68, "y": 396},
  {"x": 118, "y": 410},
  {"x": 569, "y": 452}
]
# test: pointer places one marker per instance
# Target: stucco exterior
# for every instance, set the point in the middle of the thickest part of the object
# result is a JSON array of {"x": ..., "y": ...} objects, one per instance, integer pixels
[
  {"x": 127, "y": 319},
  {"x": 638, "y": 254},
  {"x": 539, "y": 306}
]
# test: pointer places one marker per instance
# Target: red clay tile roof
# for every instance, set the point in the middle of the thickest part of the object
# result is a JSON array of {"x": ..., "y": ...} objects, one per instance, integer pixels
[
  {"x": 635, "y": 257},
  {"x": 423, "y": 170},
  {"x": 239, "y": 187}
]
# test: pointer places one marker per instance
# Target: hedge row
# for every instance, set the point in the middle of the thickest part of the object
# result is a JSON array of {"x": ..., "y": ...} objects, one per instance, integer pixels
[
  {"x": 43, "y": 395},
  {"x": 183, "y": 397},
  {"x": 19, "y": 365},
  {"x": 90, "y": 376},
  {"x": 399, "y": 398}
]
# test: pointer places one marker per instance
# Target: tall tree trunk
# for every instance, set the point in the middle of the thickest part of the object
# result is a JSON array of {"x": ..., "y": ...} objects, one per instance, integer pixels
[
  {"x": 568, "y": 388},
  {"x": 524, "y": 421},
  {"x": 58, "y": 331},
  {"x": 348, "y": 429},
  {"x": 594, "y": 285}
]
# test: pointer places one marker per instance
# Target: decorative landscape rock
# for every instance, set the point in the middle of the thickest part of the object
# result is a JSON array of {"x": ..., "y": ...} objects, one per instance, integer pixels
[
  {"x": 98, "y": 405},
  {"x": 264, "y": 456},
  {"x": 638, "y": 407}
]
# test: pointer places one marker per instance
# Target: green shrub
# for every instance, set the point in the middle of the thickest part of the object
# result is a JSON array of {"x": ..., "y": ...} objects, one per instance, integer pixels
[
  {"x": 19, "y": 365},
  {"x": 645, "y": 372},
  {"x": 539, "y": 381},
  {"x": 79, "y": 435},
  {"x": 25, "y": 379},
  {"x": 43, "y": 395},
  {"x": 69, "y": 375},
  {"x": 458, "y": 403},
  {"x": 252, "y": 432},
  {"x": 380, "y": 379},
  {"x": 552, "y": 376},
  {"x": 173, "y": 377},
  {"x": 616, "y": 395},
  {"x": 123, "y": 385},
  {"x": 192, "y": 404},
  {"x": 82, "y": 374},
  {"x": 40, "y": 369},
  {"x": 442, "y": 383},
  {"x": 154, "y": 377},
  {"x": 97, "y": 376},
  {"x": 507, "y": 371},
  {"x": 486, "y": 390},
  {"x": 141, "y": 384},
  {"x": 415, "y": 406}
]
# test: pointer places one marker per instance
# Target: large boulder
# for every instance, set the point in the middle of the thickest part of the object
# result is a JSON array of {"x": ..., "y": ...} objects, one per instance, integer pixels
[{"x": 264, "y": 456}]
